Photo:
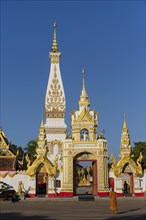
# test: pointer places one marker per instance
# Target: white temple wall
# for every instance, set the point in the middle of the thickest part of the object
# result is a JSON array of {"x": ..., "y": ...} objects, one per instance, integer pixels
[
  {"x": 28, "y": 182},
  {"x": 14, "y": 181},
  {"x": 117, "y": 182},
  {"x": 144, "y": 181},
  {"x": 139, "y": 185},
  {"x": 111, "y": 174},
  {"x": 118, "y": 185},
  {"x": 52, "y": 188}
]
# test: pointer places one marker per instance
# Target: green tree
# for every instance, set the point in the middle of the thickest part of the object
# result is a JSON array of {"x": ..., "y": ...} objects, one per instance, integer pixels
[
  {"x": 31, "y": 149},
  {"x": 13, "y": 148},
  {"x": 17, "y": 151},
  {"x": 20, "y": 153},
  {"x": 139, "y": 147}
]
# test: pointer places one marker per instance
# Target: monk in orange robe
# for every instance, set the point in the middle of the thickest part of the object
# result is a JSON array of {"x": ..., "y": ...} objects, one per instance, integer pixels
[{"x": 113, "y": 201}]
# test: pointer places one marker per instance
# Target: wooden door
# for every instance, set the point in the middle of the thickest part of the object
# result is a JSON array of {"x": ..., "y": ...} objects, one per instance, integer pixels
[
  {"x": 131, "y": 183},
  {"x": 42, "y": 183}
]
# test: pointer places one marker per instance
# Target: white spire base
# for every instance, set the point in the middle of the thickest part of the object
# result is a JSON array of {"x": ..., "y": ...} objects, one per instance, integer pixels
[{"x": 55, "y": 129}]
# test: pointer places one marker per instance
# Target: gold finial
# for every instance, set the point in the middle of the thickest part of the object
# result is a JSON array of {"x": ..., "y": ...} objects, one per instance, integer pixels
[
  {"x": 55, "y": 24},
  {"x": 54, "y": 30},
  {"x": 125, "y": 124},
  {"x": 83, "y": 74},
  {"x": 83, "y": 71},
  {"x": 54, "y": 45}
]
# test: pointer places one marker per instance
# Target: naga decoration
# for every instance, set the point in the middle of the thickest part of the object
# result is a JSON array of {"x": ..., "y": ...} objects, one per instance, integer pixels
[
  {"x": 50, "y": 168},
  {"x": 28, "y": 161},
  {"x": 126, "y": 159}
]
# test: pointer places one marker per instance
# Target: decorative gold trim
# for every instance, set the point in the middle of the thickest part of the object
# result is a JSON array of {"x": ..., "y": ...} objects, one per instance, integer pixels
[
  {"x": 54, "y": 58},
  {"x": 54, "y": 114},
  {"x": 3, "y": 175},
  {"x": 55, "y": 104},
  {"x": 84, "y": 116},
  {"x": 12, "y": 174}
]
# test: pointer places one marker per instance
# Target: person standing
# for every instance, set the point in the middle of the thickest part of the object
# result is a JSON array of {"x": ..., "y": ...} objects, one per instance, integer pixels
[
  {"x": 113, "y": 201},
  {"x": 125, "y": 188}
]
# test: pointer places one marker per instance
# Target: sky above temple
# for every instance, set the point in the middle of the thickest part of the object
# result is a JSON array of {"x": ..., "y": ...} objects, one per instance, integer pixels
[{"x": 106, "y": 37}]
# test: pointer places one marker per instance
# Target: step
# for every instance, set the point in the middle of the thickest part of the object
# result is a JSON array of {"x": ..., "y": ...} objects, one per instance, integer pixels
[{"x": 86, "y": 198}]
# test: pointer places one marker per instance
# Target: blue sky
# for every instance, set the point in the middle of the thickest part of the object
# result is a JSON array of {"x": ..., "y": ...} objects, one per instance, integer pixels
[{"x": 106, "y": 37}]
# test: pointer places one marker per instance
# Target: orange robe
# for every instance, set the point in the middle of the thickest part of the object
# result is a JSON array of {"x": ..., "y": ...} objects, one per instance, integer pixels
[{"x": 113, "y": 201}]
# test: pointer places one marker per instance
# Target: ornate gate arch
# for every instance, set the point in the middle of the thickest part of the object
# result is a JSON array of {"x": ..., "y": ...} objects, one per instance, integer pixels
[
  {"x": 41, "y": 180},
  {"x": 84, "y": 173}
]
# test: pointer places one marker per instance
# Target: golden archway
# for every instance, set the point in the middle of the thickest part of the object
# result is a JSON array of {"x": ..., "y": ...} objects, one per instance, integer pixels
[{"x": 84, "y": 173}]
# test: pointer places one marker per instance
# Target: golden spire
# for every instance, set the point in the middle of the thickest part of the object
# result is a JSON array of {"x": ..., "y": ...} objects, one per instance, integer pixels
[
  {"x": 54, "y": 45},
  {"x": 42, "y": 125},
  {"x": 125, "y": 138},
  {"x": 83, "y": 94},
  {"x": 125, "y": 124},
  {"x": 84, "y": 101}
]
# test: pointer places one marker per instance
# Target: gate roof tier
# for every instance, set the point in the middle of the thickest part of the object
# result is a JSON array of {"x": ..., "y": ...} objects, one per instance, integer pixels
[
  {"x": 49, "y": 167},
  {"x": 126, "y": 161}
]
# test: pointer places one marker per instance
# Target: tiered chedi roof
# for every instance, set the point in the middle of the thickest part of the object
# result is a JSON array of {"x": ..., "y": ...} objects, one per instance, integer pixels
[
  {"x": 84, "y": 122},
  {"x": 125, "y": 139},
  {"x": 41, "y": 148},
  {"x": 84, "y": 101},
  {"x": 55, "y": 104}
]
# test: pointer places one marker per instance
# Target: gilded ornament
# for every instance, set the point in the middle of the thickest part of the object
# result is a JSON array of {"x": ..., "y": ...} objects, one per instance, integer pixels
[
  {"x": 50, "y": 168},
  {"x": 84, "y": 116},
  {"x": 12, "y": 174},
  {"x": 126, "y": 159},
  {"x": 3, "y": 175},
  {"x": 54, "y": 58},
  {"x": 54, "y": 45},
  {"x": 113, "y": 160},
  {"x": 55, "y": 104},
  {"x": 100, "y": 152}
]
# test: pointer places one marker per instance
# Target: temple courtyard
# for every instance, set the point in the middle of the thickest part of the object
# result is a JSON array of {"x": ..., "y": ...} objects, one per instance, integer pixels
[{"x": 72, "y": 209}]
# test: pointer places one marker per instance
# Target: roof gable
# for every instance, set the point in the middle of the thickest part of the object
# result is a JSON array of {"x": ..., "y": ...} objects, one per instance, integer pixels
[
  {"x": 4, "y": 146},
  {"x": 84, "y": 116}
]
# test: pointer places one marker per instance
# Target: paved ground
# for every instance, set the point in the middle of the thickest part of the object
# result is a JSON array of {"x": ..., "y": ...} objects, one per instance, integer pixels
[{"x": 71, "y": 209}]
